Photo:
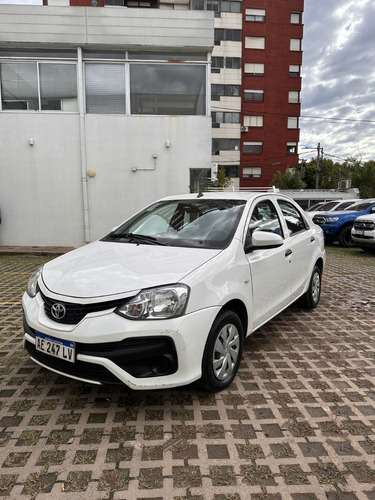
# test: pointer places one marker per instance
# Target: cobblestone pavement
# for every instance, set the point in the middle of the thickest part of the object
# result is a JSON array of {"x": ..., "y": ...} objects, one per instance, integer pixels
[{"x": 297, "y": 424}]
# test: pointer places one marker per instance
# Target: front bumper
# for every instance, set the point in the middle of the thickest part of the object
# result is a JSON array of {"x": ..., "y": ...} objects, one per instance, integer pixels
[
  {"x": 365, "y": 239},
  {"x": 111, "y": 349}
]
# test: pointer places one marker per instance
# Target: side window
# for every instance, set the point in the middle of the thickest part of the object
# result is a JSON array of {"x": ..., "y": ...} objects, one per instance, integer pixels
[
  {"x": 264, "y": 218},
  {"x": 293, "y": 218}
]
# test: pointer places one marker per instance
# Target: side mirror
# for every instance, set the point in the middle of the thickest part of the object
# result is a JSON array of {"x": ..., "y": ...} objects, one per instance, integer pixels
[{"x": 263, "y": 239}]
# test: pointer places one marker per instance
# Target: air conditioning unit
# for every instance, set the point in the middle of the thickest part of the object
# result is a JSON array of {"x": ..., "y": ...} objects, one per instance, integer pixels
[
  {"x": 244, "y": 129},
  {"x": 345, "y": 184}
]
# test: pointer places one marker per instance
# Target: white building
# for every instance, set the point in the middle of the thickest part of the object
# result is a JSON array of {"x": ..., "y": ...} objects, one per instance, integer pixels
[{"x": 102, "y": 111}]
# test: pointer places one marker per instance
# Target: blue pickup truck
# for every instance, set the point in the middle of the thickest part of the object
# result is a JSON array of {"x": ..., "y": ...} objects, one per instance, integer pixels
[{"x": 337, "y": 225}]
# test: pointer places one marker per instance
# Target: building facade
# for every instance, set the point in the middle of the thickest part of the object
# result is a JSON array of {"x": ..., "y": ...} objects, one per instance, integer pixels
[
  {"x": 102, "y": 111},
  {"x": 255, "y": 84},
  {"x": 271, "y": 80}
]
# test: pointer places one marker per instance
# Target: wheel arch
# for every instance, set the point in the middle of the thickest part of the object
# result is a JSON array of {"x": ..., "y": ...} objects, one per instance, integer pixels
[{"x": 238, "y": 307}]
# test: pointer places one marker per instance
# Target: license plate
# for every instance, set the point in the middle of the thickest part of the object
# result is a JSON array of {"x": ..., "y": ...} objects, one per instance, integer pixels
[
  {"x": 61, "y": 349},
  {"x": 359, "y": 231}
]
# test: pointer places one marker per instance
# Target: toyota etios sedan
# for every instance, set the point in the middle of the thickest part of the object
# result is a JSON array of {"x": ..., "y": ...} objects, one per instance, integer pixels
[{"x": 168, "y": 297}]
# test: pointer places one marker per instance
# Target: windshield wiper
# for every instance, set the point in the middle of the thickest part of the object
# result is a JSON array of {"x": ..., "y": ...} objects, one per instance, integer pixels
[{"x": 135, "y": 238}]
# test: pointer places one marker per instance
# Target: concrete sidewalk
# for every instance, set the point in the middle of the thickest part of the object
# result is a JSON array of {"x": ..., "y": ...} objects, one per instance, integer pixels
[{"x": 298, "y": 423}]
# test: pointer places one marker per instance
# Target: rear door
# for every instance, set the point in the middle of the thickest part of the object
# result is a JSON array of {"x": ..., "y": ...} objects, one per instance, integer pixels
[
  {"x": 301, "y": 240},
  {"x": 270, "y": 268}
]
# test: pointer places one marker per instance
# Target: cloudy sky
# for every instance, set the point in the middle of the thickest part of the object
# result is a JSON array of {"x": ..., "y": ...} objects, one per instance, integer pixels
[{"x": 338, "y": 85}]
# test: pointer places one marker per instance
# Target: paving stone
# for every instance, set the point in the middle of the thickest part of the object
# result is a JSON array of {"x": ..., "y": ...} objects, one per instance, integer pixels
[{"x": 297, "y": 424}]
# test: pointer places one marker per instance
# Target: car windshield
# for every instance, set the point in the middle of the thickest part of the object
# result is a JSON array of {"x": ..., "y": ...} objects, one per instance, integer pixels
[
  {"x": 189, "y": 223},
  {"x": 315, "y": 207},
  {"x": 326, "y": 206},
  {"x": 358, "y": 207}
]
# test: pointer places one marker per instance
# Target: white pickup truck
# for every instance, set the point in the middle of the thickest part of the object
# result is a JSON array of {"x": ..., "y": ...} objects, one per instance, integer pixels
[{"x": 363, "y": 232}]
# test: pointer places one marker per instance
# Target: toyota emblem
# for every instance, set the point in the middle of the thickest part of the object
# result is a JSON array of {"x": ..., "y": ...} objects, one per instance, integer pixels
[{"x": 58, "y": 311}]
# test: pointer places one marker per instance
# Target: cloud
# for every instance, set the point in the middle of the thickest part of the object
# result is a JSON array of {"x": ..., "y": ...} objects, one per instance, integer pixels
[{"x": 339, "y": 77}]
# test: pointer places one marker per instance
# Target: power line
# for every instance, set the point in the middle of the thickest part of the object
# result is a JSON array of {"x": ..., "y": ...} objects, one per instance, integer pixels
[{"x": 337, "y": 119}]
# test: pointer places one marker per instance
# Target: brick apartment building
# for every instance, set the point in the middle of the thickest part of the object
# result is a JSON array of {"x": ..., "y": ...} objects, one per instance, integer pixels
[{"x": 271, "y": 61}]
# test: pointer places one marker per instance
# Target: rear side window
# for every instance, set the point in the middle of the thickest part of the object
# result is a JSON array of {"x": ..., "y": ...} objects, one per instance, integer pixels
[{"x": 293, "y": 218}]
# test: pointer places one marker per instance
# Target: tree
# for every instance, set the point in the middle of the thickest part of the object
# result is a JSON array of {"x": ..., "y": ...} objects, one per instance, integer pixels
[
  {"x": 363, "y": 177},
  {"x": 290, "y": 180},
  {"x": 222, "y": 179}
]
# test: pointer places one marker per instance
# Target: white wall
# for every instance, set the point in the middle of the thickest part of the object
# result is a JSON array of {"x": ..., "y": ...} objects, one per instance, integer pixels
[
  {"x": 41, "y": 184},
  {"x": 41, "y": 195}
]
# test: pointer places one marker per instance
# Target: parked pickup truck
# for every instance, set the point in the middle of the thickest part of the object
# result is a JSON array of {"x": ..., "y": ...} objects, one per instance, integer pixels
[
  {"x": 363, "y": 232},
  {"x": 337, "y": 226}
]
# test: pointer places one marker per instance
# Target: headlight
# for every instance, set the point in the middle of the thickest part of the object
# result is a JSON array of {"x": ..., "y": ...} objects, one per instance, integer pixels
[
  {"x": 331, "y": 219},
  {"x": 156, "y": 303},
  {"x": 33, "y": 281}
]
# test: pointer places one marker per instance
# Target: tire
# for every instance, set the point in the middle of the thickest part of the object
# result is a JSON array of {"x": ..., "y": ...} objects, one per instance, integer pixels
[
  {"x": 222, "y": 354},
  {"x": 345, "y": 237},
  {"x": 310, "y": 299}
]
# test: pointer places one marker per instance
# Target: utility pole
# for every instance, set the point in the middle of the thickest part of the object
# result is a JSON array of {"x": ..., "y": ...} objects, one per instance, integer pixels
[{"x": 318, "y": 165}]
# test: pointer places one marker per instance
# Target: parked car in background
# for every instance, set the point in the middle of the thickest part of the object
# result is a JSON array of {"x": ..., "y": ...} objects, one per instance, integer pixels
[
  {"x": 332, "y": 206},
  {"x": 168, "y": 297},
  {"x": 363, "y": 232},
  {"x": 337, "y": 226}
]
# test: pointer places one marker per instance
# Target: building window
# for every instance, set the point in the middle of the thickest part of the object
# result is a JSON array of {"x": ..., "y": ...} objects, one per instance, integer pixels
[
  {"x": 291, "y": 148},
  {"x": 256, "y": 15},
  {"x": 292, "y": 122},
  {"x": 255, "y": 69},
  {"x": 233, "y": 90},
  {"x": 253, "y": 121},
  {"x": 219, "y": 90},
  {"x": 253, "y": 147},
  {"x": 233, "y": 62},
  {"x": 217, "y": 62},
  {"x": 39, "y": 86},
  {"x": 296, "y": 17},
  {"x": 232, "y": 35},
  {"x": 253, "y": 95},
  {"x": 293, "y": 97},
  {"x": 105, "y": 88},
  {"x": 231, "y": 170},
  {"x": 252, "y": 172},
  {"x": 167, "y": 89},
  {"x": 294, "y": 70},
  {"x": 225, "y": 117},
  {"x": 255, "y": 42},
  {"x": 224, "y": 145},
  {"x": 233, "y": 6},
  {"x": 295, "y": 44}
]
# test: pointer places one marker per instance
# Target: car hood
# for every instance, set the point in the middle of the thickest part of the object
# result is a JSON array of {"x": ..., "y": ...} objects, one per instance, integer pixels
[{"x": 105, "y": 268}]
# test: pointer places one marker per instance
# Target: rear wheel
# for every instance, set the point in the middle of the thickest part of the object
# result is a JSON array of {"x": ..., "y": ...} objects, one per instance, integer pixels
[
  {"x": 310, "y": 299},
  {"x": 345, "y": 237},
  {"x": 222, "y": 354}
]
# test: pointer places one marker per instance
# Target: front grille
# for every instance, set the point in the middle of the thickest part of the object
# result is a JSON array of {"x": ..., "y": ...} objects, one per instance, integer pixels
[
  {"x": 76, "y": 312},
  {"x": 366, "y": 225}
]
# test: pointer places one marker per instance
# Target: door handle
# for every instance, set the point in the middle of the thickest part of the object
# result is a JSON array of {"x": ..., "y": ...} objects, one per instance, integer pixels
[{"x": 288, "y": 252}]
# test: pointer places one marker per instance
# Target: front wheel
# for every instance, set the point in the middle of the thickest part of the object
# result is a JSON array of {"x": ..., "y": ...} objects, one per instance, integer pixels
[
  {"x": 310, "y": 299},
  {"x": 345, "y": 237},
  {"x": 222, "y": 354}
]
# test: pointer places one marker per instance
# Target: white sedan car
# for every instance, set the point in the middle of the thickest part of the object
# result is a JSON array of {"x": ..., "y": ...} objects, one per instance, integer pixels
[{"x": 168, "y": 297}]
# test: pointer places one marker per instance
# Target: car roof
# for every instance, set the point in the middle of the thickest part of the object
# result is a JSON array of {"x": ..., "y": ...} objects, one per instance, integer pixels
[{"x": 225, "y": 195}]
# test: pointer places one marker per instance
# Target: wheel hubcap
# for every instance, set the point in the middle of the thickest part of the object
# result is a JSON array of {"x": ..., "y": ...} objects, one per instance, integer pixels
[
  {"x": 315, "y": 288},
  {"x": 226, "y": 352}
]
